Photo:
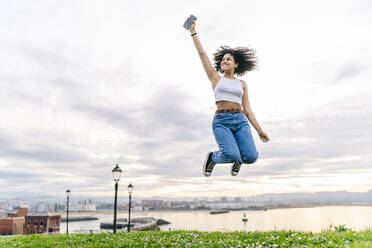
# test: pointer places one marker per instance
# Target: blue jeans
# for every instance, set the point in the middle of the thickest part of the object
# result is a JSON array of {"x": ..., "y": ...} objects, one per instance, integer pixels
[{"x": 234, "y": 139}]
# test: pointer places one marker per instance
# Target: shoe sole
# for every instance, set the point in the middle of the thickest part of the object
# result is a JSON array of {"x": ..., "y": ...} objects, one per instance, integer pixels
[
  {"x": 205, "y": 165},
  {"x": 231, "y": 171}
]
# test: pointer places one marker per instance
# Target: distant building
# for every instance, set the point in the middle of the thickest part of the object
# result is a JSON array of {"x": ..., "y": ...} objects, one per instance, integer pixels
[
  {"x": 232, "y": 205},
  {"x": 87, "y": 205},
  {"x": 35, "y": 224},
  {"x": 22, "y": 212},
  {"x": 60, "y": 207},
  {"x": 105, "y": 206},
  {"x": 74, "y": 206},
  {"x": 44, "y": 207},
  {"x": 156, "y": 204},
  {"x": 13, "y": 224},
  {"x": 4, "y": 206}
]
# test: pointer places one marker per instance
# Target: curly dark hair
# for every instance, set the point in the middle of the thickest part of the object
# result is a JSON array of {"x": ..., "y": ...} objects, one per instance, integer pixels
[{"x": 245, "y": 58}]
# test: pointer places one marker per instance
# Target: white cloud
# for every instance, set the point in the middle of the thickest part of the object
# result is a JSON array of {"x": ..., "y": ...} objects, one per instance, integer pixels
[{"x": 87, "y": 85}]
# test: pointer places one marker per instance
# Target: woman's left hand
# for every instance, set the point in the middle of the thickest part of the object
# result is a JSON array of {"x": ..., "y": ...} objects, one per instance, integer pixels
[{"x": 263, "y": 136}]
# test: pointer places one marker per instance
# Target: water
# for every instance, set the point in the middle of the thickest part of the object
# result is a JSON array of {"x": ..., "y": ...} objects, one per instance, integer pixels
[{"x": 298, "y": 219}]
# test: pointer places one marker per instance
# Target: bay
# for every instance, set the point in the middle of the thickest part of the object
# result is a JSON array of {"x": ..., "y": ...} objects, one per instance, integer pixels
[{"x": 314, "y": 219}]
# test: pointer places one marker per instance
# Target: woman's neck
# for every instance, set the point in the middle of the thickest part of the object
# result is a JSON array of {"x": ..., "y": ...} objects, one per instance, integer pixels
[{"x": 229, "y": 75}]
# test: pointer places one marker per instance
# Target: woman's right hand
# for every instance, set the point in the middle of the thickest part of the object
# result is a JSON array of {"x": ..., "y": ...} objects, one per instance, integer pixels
[{"x": 192, "y": 27}]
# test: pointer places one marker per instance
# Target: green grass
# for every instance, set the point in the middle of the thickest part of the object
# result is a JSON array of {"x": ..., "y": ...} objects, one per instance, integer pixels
[{"x": 336, "y": 238}]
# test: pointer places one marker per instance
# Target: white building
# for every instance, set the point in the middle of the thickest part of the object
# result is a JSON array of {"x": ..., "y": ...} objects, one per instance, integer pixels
[
  {"x": 44, "y": 207},
  {"x": 232, "y": 205},
  {"x": 87, "y": 205}
]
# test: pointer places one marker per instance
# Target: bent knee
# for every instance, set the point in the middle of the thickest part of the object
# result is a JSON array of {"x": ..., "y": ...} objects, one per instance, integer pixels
[
  {"x": 231, "y": 156},
  {"x": 250, "y": 158}
]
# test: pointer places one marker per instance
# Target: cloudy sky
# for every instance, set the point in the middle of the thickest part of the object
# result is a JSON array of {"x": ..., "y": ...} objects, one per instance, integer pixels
[{"x": 88, "y": 84}]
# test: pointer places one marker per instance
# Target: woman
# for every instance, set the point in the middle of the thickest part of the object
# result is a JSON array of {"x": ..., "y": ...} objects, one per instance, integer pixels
[{"x": 230, "y": 125}]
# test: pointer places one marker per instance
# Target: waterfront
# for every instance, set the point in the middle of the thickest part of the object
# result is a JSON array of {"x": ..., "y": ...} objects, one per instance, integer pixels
[{"x": 312, "y": 219}]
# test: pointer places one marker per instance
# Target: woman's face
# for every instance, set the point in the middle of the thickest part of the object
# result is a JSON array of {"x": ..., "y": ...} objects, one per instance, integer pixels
[{"x": 228, "y": 63}]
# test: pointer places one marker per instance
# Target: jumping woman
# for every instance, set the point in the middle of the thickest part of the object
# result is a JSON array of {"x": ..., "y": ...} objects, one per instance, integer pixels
[{"x": 230, "y": 125}]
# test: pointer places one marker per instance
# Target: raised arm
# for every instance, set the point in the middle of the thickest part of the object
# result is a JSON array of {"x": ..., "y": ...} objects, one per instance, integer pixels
[
  {"x": 207, "y": 65},
  {"x": 250, "y": 115}
]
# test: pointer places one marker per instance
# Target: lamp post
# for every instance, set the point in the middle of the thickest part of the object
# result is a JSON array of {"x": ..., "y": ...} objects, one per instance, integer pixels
[
  {"x": 130, "y": 190},
  {"x": 68, "y": 193},
  {"x": 116, "y": 173}
]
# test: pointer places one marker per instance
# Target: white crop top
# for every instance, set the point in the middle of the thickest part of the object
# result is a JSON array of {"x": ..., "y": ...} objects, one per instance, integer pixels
[{"x": 230, "y": 90}]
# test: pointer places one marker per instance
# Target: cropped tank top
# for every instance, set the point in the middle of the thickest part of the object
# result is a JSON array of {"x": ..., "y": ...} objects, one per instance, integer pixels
[{"x": 230, "y": 90}]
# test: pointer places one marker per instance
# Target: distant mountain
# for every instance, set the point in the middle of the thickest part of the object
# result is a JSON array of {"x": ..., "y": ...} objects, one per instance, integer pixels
[
  {"x": 25, "y": 196},
  {"x": 317, "y": 198},
  {"x": 36, "y": 197},
  {"x": 337, "y": 197}
]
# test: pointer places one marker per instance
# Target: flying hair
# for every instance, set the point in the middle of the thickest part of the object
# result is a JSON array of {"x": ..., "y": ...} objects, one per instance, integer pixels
[{"x": 245, "y": 57}]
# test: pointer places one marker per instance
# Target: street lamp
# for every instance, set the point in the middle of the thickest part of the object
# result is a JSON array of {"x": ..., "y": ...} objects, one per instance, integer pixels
[
  {"x": 68, "y": 193},
  {"x": 130, "y": 190},
  {"x": 116, "y": 173}
]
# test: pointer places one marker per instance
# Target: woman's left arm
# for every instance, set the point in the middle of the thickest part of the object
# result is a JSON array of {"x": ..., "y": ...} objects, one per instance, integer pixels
[{"x": 251, "y": 117}]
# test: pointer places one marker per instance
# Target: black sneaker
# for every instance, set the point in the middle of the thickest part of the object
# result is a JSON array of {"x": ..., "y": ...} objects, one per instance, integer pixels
[
  {"x": 235, "y": 167},
  {"x": 208, "y": 165}
]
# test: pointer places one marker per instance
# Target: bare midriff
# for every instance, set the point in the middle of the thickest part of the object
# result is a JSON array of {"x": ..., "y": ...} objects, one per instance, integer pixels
[{"x": 228, "y": 105}]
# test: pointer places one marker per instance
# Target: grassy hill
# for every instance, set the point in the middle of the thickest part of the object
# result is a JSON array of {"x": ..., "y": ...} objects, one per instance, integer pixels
[{"x": 337, "y": 238}]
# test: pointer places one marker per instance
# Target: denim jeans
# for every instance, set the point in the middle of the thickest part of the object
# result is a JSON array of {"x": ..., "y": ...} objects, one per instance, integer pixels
[{"x": 234, "y": 139}]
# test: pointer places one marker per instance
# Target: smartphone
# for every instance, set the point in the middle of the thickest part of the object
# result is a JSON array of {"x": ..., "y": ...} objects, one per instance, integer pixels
[{"x": 189, "y": 22}]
